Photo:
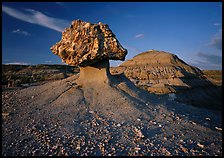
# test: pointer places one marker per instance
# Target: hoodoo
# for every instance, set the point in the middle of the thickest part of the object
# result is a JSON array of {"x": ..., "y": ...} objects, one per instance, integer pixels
[{"x": 89, "y": 46}]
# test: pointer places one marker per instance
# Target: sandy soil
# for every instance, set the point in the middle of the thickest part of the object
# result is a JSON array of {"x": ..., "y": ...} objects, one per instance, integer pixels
[{"x": 66, "y": 117}]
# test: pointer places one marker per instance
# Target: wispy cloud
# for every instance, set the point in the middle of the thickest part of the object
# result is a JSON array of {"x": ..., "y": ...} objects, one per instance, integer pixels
[
  {"x": 139, "y": 35},
  {"x": 217, "y": 24},
  {"x": 216, "y": 40},
  {"x": 132, "y": 49},
  {"x": 22, "y": 32},
  {"x": 62, "y": 5},
  {"x": 48, "y": 61},
  {"x": 210, "y": 58},
  {"x": 208, "y": 61},
  {"x": 36, "y": 17},
  {"x": 17, "y": 63}
]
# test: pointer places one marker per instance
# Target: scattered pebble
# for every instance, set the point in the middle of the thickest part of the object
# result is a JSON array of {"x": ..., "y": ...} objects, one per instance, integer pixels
[
  {"x": 138, "y": 132},
  {"x": 185, "y": 150},
  {"x": 219, "y": 129},
  {"x": 200, "y": 145},
  {"x": 193, "y": 123},
  {"x": 137, "y": 148},
  {"x": 92, "y": 137},
  {"x": 5, "y": 114}
]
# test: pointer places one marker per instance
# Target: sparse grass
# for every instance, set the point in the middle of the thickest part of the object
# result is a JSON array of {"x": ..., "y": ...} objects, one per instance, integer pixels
[
  {"x": 21, "y": 74},
  {"x": 214, "y": 74}
]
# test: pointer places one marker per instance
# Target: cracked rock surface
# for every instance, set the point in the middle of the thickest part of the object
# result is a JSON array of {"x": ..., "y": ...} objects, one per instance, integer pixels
[{"x": 84, "y": 43}]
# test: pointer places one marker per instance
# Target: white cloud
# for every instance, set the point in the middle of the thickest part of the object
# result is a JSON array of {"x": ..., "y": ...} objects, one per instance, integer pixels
[
  {"x": 17, "y": 63},
  {"x": 216, "y": 40},
  {"x": 217, "y": 24},
  {"x": 132, "y": 49},
  {"x": 60, "y": 3},
  {"x": 139, "y": 35},
  {"x": 36, "y": 17},
  {"x": 48, "y": 61},
  {"x": 20, "y": 31}
]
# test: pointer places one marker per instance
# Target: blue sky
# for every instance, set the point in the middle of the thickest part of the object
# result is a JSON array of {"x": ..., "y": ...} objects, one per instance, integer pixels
[{"x": 192, "y": 31}]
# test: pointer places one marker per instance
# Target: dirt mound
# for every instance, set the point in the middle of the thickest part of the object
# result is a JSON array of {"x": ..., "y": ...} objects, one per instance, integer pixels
[{"x": 161, "y": 72}]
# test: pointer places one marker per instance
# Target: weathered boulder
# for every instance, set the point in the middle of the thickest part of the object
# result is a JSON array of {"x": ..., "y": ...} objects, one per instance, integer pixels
[{"x": 84, "y": 44}]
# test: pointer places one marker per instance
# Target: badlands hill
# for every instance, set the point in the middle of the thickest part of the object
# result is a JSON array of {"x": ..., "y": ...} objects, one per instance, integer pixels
[{"x": 161, "y": 72}]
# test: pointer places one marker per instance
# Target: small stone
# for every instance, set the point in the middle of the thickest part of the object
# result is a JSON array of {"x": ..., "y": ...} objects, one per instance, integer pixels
[
  {"x": 181, "y": 141},
  {"x": 5, "y": 114},
  {"x": 118, "y": 125},
  {"x": 193, "y": 122},
  {"x": 137, "y": 148},
  {"x": 78, "y": 147},
  {"x": 200, "y": 145},
  {"x": 219, "y": 129},
  {"x": 160, "y": 125},
  {"x": 138, "y": 119},
  {"x": 184, "y": 149},
  {"x": 208, "y": 119},
  {"x": 138, "y": 133}
]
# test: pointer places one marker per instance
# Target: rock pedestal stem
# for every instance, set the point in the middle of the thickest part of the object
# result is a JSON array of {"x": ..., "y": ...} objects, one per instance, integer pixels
[{"x": 95, "y": 73}]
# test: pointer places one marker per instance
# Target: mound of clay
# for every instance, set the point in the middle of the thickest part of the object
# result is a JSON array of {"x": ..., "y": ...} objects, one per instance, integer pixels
[
  {"x": 162, "y": 72},
  {"x": 84, "y": 44}
]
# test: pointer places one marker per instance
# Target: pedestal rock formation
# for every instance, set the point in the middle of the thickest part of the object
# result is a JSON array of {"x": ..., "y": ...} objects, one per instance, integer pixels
[
  {"x": 89, "y": 46},
  {"x": 84, "y": 44}
]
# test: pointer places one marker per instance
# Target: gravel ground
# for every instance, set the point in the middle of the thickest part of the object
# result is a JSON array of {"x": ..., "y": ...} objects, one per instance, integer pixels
[{"x": 62, "y": 118}]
